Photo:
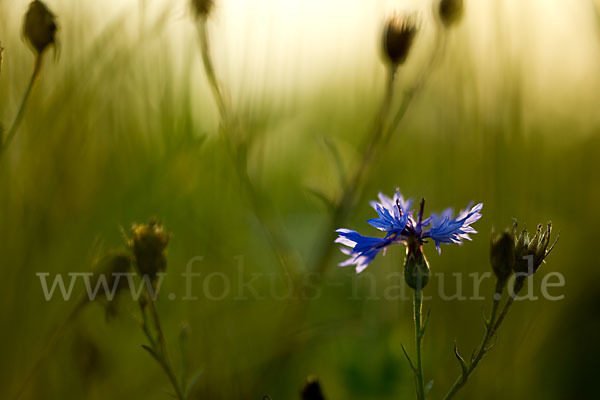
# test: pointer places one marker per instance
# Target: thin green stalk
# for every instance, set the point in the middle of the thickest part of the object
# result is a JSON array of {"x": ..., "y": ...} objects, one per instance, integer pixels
[
  {"x": 297, "y": 309},
  {"x": 158, "y": 347},
  {"x": 436, "y": 55},
  {"x": 274, "y": 231},
  {"x": 418, "y": 308},
  {"x": 209, "y": 69},
  {"x": 377, "y": 140},
  {"x": 492, "y": 326},
  {"x": 15, "y": 126},
  {"x": 346, "y": 203}
]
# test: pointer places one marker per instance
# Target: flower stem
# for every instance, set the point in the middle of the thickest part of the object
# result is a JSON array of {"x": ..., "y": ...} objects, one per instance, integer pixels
[
  {"x": 15, "y": 126},
  {"x": 492, "y": 326},
  {"x": 346, "y": 202},
  {"x": 377, "y": 140},
  {"x": 209, "y": 69},
  {"x": 418, "y": 308},
  {"x": 283, "y": 250},
  {"x": 158, "y": 347}
]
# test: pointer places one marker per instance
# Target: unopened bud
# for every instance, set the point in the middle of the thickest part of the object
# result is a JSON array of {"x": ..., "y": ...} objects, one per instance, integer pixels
[
  {"x": 398, "y": 37},
  {"x": 202, "y": 8},
  {"x": 39, "y": 26},
  {"x": 416, "y": 267},
  {"x": 502, "y": 255},
  {"x": 113, "y": 265},
  {"x": 149, "y": 243},
  {"x": 312, "y": 390},
  {"x": 451, "y": 11}
]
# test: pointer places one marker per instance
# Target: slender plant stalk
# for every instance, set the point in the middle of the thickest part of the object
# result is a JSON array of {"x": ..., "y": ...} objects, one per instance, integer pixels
[
  {"x": 209, "y": 69},
  {"x": 275, "y": 233},
  {"x": 15, "y": 126},
  {"x": 158, "y": 347},
  {"x": 492, "y": 326},
  {"x": 347, "y": 199},
  {"x": 419, "y": 331},
  {"x": 376, "y": 141},
  {"x": 436, "y": 56}
]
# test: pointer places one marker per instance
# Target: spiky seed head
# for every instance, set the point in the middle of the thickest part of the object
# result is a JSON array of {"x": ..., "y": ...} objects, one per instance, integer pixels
[
  {"x": 451, "y": 12},
  {"x": 502, "y": 254},
  {"x": 149, "y": 243},
  {"x": 39, "y": 26},
  {"x": 202, "y": 8},
  {"x": 398, "y": 36},
  {"x": 530, "y": 253}
]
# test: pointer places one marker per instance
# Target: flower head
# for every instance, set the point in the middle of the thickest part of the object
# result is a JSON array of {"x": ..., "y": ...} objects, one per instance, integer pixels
[
  {"x": 397, "y": 220},
  {"x": 149, "y": 243},
  {"x": 399, "y": 34}
]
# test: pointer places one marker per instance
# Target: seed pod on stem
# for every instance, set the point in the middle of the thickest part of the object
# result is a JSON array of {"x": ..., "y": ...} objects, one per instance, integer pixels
[
  {"x": 39, "y": 27},
  {"x": 202, "y": 8},
  {"x": 451, "y": 12}
]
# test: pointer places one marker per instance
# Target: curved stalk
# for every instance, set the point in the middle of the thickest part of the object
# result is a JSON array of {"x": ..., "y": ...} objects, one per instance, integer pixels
[
  {"x": 273, "y": 230},
  {"x": 158, "y": 347},
  {"x": 15, "y": 126},
  {"x": 377, "y": 140}
]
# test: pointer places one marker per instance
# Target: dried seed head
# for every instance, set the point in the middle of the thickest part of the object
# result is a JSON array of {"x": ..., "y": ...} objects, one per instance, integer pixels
[
  {"x": 502, "y": 255},
  {"x": 39, "y": 26},
  {"x": 399, "y": 34},
  {"x": 312, "y": 390},
  {"x": 202, "y": 8},
  {"x": 451, "y": 11},
  {"x": 530, "y": 253},
  {"x": 149, "y": 243}
]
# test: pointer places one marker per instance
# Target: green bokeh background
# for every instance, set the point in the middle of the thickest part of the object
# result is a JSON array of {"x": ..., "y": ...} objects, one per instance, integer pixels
[{"x": 116, "y": 132}]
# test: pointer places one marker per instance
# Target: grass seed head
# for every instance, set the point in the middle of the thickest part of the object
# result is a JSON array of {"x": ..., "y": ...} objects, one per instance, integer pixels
[
  {"x": 39, "y": 27},
  {"x": 398, "y": 37}
]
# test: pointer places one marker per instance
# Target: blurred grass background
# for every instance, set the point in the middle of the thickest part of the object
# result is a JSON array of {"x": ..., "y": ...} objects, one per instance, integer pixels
[{"x": 122, "y": 127}]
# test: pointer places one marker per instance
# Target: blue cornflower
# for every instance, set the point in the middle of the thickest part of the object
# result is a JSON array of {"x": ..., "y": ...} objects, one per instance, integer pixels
[{"x": 396, "y": 219}]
